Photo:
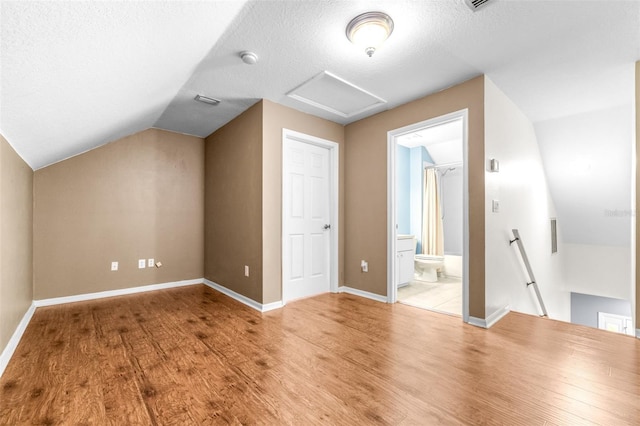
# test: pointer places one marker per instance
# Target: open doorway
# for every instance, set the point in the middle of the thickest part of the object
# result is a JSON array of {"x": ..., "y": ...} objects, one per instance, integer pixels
[{"x": 428, "y": 227}]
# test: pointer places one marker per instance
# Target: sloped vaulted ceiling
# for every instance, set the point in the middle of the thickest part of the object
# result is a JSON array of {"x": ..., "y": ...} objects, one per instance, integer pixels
[{"x": 75, "y": 75}]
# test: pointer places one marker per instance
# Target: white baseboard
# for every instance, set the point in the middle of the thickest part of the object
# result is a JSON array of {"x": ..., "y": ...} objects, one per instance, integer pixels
[
  {"x": 111, "y": 293},
  {"x": 497, "y": 316},
  {"x": 491, "y": 319},
  {"x": 244, "y": 299},
  {"x": 8, "y": 351},
  {"x": 271, "y": 306},
  {"x": 362, "y": 293},
  {"x": 478, "y": 322}
]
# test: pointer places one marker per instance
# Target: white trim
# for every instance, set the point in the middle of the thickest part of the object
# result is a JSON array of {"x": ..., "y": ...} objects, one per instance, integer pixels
[
  {"x": 362, "y": 293},
  {"x": 491, "y": 320},
  {"x": 497, "y": 316},
  {"x": 8, "y": 351},
  {"x": 392, "y": 223},
  {"x": 633, "y": 207},
  {"x": 112, "y": 293},
  {"x": 244, "y": 299},
  {"x": 638, "y": 333},
  {"x": 272, "y": 306},
  {"x": 478, "y": 322},
  {"x": 334, "y": 216},
  {"x": 392, "y": 290}
]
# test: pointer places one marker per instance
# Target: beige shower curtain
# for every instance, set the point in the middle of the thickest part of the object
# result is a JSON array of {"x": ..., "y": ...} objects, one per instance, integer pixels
[{"x": 432, "y": 238}]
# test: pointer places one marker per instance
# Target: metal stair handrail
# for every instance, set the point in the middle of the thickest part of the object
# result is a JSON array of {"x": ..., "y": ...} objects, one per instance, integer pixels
[{"x": 532, "y": 279}]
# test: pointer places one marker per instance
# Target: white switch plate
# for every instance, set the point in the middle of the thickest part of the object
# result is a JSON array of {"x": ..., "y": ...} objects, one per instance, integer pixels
[
  {"x": 364, "y": 265},
  {"x": 495, "y": 206},
  {"x": 246, "y": 270},
  {"x": 114, "y": 266},
  {"x": 150, "y": 263},
  {"x": 142, "y": 263}
]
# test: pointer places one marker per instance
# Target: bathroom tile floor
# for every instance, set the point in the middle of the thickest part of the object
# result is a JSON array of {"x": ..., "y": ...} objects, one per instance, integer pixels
[{"x": 444, "y": 296}]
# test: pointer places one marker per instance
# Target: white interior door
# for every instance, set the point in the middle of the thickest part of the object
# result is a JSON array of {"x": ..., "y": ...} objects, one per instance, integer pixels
[
  {"x": 306, "y": 219},
  {"x": 615, "y": 323}
]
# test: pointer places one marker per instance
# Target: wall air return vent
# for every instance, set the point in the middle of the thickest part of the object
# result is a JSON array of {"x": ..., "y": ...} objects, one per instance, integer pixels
[{"x": 476, "y": 4}]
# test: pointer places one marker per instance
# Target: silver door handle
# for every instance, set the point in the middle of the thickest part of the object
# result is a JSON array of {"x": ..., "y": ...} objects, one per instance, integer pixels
[{"x": 327, "y": 226}]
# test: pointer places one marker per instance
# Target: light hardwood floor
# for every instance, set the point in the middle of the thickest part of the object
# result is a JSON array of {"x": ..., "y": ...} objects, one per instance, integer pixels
[{"x": 193, "y": 356}]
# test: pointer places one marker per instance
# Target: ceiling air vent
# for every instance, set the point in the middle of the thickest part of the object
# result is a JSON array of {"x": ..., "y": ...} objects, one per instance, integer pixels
[{"x": 476, "y": 4}]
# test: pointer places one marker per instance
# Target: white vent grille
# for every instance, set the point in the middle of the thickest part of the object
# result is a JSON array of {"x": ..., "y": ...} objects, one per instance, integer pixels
[
  {"x": 476, "y": 4},
  {"x": 331, "y": 93},
  {"x": 554, "y": 235}
]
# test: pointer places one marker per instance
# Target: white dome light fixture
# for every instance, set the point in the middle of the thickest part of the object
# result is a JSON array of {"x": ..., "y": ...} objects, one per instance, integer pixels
[
  {"x": 370, "y": 30},
  {"x": 248, "y": 58}
]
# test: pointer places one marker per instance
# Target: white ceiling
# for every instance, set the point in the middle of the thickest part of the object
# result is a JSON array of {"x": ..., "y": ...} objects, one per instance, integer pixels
[
  {"x": 75, "y": 75},
  {"x": 588, "y": 163},
  {"x": 443, "y": 142},
  {"x": 450, "y": 131}
]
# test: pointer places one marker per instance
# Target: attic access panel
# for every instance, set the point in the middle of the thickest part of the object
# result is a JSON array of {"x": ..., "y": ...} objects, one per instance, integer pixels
[{"x": 335, "y": 95}]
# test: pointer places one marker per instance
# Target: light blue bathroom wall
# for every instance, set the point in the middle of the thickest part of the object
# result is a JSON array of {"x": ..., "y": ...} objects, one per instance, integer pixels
[
  {"x": 418, "y": 156},
  {"x": 403, "y": 189}
]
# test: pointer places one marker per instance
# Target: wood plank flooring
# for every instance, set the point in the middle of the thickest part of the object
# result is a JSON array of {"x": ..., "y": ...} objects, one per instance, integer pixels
[{"x": 194, "y": 356}]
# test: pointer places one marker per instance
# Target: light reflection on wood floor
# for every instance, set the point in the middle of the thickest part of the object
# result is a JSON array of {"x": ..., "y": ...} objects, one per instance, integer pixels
[{"x": 193, "y": 356}]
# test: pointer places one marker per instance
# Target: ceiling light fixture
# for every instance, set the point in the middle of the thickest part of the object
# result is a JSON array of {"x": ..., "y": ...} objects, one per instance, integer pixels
[
  {"x": 207, "y": 100},
  {"x": 248, "y": 58},
  {"x": 370, "y": 30}
]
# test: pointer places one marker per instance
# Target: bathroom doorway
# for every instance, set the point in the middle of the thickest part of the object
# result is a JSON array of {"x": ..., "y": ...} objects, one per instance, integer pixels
[{"x": 428, "y": 215}]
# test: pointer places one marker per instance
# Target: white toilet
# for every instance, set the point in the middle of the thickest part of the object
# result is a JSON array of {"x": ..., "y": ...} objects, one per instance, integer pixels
[{"x": 427, "y": 267}]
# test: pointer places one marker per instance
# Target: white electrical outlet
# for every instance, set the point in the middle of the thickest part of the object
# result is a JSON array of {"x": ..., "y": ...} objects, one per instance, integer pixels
[
  {"x": 142, "y": 263},
  {"x": 246, "y": 270},
  {"x": 150, "y": 263},
  {"x": 114, "y": 266},
  {"x": 364, "y": 265},
  {"x": 495, "y": 206}
]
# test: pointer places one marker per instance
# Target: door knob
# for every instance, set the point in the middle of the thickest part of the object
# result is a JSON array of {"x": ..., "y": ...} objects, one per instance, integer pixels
[{"x": 327, "y": 226}]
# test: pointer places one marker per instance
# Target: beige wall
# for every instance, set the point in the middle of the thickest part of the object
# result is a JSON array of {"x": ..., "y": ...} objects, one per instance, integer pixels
[
  {"x": 366, "y": 186},
  {"x": 16, "y": 238},
  {"x": 139, "y": 197},
  {"x": 277, "y": 117},
  {"x": 233, "y": 204}
]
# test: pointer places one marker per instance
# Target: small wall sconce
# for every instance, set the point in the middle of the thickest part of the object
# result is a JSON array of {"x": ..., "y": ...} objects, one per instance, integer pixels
[{"x": 494, "y": 165}]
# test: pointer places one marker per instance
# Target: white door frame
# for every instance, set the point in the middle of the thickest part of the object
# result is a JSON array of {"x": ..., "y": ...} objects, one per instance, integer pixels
[
  {"x": 392, "y": 289},
  {"x": 334, "y": 176},
  {"x": 604, "y": 316}
]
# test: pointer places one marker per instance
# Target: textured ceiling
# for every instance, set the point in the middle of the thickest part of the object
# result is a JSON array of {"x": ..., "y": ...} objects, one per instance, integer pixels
[
  {"x": 76, "y": 75},
  {"x": 443, "y": 142}
]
